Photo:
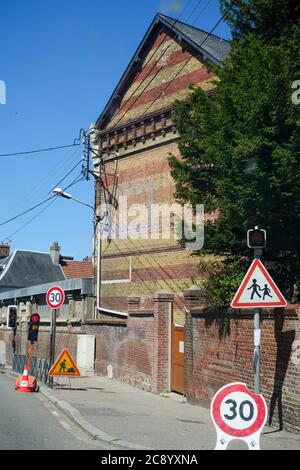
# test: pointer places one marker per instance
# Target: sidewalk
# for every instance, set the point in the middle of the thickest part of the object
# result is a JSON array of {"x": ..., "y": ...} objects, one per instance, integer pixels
[{"x": 133, "y": 418}]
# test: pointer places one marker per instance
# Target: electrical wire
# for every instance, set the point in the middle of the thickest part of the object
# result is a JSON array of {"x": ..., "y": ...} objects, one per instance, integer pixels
[
  {"x": 35, "y": 206},
  {"x": 38, "y": 151},
  {"x": 27, "y": 211},
  {"x": 9, "y": 237},
  {"x": 60, "y": 181},
  {"x": 202, "y": 11},
  {"x": 180, "y": 70},
  {"x": 54, "y": 198},
  {"x": 152, "y": 68},
  {"x": 193, "y": 11},
  {"x": 159, "y": 70},
  {"x": 42, "y": 185}
]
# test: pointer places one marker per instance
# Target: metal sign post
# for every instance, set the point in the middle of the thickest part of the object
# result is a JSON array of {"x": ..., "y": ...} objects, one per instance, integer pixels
[
  {"x": 256, "y": 355},
  {"x": 55, "y": 297},
  {"x": 52, "y": 343}
]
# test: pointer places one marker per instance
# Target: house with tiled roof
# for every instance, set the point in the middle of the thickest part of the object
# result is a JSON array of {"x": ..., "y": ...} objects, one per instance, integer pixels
[
  {"x": 26, "y": 276},
  {"x": 77, "y": 269}
]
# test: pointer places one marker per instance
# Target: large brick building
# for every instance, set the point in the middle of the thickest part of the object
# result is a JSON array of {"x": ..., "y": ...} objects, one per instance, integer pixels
[{"x": 135, "y": 135}]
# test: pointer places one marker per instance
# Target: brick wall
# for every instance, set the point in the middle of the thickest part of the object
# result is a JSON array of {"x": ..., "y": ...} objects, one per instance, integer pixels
[
  {"x": 66, "y": 337},
  {"x": 173, "y": 72},
  {"x": 157, "y": 264},
  {"x": 219, "y": 350},
  {"x": 136, "y": 348},
  {"x": 143, "y": 133}
]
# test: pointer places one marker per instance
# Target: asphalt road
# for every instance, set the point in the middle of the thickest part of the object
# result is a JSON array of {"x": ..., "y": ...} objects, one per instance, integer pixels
[{"x": 30, "y": 422}]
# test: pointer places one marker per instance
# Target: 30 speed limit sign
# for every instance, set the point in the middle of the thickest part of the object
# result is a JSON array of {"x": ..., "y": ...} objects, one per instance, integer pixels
[
  {"x": 238, "y": 413},
  {"x": 55, "y": 297}
]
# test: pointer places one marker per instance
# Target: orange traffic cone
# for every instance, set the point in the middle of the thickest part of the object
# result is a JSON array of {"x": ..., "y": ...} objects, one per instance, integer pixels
[{"x": 24, "y": 386}]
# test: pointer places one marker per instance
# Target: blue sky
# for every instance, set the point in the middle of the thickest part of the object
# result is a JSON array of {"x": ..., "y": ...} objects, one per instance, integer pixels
[{"x": 60, "y": 60}]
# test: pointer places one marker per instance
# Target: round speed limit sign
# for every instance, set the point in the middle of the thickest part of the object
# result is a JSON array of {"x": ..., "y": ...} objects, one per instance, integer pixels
[
  {"x": 55, "y": 297},
  {"x": 238, "y": 413}
]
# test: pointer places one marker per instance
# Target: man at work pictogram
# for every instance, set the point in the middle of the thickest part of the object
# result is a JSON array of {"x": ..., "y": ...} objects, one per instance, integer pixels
[
  {"x": 266, "y": 291},
  {"x": 255, "y": 288},
  {"x": 63, "y": 366}
]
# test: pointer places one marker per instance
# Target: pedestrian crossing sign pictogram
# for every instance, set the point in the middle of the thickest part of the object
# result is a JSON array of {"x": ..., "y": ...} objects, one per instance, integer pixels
[
  {"x": 258, "y": 290},
  {"x": 64, "y": 366}
]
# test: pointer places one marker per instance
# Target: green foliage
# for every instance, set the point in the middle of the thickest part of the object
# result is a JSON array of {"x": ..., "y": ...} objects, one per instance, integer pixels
[
  {"x": 266, "y": 18},
  {"x": 223, "y": 280},
  {"x": 241, "y": 147}
]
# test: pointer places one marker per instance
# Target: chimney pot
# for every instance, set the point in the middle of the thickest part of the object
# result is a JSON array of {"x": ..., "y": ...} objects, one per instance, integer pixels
[
  {"x": 54, "y": 253},
  {"x": 4, "y": 250}
]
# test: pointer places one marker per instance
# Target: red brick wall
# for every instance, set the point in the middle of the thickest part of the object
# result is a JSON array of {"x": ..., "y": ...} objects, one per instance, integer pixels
[
  {"x": 136, "y": 348},
  {"x": 126, "y": 346},
  {"x": 64, "y": 339},
  {"x": 219, "y": 350}
]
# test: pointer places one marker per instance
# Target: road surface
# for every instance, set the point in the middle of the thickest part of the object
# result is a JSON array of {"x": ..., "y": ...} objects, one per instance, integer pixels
[{"x": 30, "y": 422}]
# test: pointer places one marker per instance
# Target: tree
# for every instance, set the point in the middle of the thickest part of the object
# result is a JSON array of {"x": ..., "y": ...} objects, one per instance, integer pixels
[
  {"x": 241, "y": 147},
  {"x": 265, "y": 18}
]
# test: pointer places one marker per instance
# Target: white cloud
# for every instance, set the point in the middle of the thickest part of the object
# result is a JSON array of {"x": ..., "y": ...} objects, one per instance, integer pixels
[
  {"x": 2, "y": 92},
  {"x": 171, "y": 6}
]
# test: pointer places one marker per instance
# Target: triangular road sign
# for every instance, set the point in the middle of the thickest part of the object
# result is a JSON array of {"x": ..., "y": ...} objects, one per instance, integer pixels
[
  {"x": 258, "y": 290},
  {"x": 64, "y": 366}
]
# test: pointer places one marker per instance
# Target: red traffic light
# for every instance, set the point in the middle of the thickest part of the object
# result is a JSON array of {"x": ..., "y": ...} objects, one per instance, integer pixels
[
  {"x": 33, "y": 327},
  {"x": 35, "y": 318}
]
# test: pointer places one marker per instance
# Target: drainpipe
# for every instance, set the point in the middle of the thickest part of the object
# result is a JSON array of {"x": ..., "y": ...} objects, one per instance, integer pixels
[{"x": 99, "y": 252}]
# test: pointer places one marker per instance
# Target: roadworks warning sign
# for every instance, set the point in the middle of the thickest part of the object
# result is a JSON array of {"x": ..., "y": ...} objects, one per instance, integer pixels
[{"x": 64, "y": 366}]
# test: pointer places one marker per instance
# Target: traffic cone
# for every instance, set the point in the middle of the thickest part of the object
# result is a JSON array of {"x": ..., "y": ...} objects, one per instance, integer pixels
[{"x": 24, "y": 386}]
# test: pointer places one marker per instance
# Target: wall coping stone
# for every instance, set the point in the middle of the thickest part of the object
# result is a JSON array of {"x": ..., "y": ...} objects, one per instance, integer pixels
[{"x": 112, "y": 321}]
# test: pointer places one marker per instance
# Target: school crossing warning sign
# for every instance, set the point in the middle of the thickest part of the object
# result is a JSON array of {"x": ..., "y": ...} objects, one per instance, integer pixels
[
  {"x": 64, "y": 366},
  {"x": 258, "y": 290}
]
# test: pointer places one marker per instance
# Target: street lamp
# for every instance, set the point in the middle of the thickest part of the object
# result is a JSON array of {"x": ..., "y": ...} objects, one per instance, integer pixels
[{"x": 60, "y": 193}]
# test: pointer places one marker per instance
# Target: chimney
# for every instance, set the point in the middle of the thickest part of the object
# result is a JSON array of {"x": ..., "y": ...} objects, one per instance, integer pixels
[
  {"x": 54, "y": 253},
  {"x": 4, "y": 250}
]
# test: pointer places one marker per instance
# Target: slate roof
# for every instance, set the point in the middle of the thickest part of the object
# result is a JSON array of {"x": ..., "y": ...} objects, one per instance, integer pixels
[
  {"x": 214, "y": 49},
  {"x": 28, "y": 268}
]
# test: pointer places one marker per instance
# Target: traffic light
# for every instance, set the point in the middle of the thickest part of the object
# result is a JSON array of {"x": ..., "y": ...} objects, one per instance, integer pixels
[
  {"x": 256, "y": 238},
  {"x": 34, "y": 325},
  {"x": 11, "y": 319}
]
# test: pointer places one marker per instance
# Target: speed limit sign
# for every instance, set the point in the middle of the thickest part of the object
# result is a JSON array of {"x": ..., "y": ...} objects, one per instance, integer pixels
[
  {"x": 238, "y": 413},
  {"x": 55, "y": 297}
]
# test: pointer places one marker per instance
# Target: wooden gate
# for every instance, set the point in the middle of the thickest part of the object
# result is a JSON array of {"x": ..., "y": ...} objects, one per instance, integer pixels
[{"x": 177, "y": 359}]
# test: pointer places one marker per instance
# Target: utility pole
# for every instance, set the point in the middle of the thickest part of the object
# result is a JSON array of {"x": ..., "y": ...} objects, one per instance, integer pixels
[{"x": 102, "y": 195}]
